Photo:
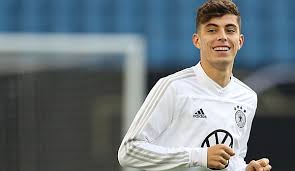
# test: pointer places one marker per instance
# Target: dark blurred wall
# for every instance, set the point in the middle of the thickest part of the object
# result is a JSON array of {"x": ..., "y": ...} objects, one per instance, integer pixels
[
  {"x": 62, "y": 120},
  {"x": 272, "y": 137}
]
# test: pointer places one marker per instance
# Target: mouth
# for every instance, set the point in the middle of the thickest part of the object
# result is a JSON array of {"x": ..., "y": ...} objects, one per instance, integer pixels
[{"x": 221, "y": 48}]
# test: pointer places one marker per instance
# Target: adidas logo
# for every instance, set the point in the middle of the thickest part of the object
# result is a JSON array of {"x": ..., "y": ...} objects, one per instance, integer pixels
[{"x": 199, "y": 114}]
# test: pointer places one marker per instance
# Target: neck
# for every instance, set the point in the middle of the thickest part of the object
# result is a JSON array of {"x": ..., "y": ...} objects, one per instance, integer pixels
[{"x": 221, "y": 75}]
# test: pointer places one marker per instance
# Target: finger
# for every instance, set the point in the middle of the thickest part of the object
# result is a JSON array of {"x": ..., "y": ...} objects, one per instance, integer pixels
[
  {"x": 263, "y": 162},
  {"x": 267, "y": 168},
  {"x": 229, "y": 150},
  {"x": 216, "y": 165},
  {"x": 225, "y": 155},
  {"x": 220, "y": 166},
  {"x": 254, "y": 164},
  {"x": 223, "y": 161}
]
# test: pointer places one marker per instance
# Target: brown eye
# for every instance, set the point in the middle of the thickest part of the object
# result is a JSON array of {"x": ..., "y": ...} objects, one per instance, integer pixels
[
  {"x": 231, "y": 30},
  {"x": 211, "y": 30}
]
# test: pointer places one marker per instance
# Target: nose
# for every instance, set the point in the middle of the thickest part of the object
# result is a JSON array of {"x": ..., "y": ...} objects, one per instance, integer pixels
[{"x": 222, "y": 36}]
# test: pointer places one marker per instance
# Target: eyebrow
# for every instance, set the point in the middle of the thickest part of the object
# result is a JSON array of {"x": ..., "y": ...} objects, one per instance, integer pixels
[
  {"x": 231, "y": 25},
  {"x": 215, "y": 25},
  {"x": 211, "y": 25}
]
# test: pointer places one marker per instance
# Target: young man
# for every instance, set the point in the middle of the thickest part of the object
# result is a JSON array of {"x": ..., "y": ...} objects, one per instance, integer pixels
[{"x": 199, "y": 118}]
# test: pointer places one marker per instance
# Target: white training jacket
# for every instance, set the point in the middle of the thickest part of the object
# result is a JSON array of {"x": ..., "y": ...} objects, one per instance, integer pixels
[{"x": 185, "y": 113}]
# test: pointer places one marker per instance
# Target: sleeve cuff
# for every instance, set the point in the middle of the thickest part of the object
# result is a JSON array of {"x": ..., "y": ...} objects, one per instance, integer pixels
[{"x": 198, "y": 157}]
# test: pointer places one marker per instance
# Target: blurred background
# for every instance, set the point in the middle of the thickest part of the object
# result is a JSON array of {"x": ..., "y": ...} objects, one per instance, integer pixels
[{"x": 74, "y": 72}]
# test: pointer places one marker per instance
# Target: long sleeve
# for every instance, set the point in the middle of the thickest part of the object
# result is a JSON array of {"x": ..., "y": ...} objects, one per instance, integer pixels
[{"x": 154, "y": 117}]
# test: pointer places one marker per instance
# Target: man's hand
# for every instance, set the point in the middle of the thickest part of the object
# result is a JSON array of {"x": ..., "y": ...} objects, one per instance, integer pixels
[
  {"x": 218, "y": 156},
  {"x": 259, "y": 165}
]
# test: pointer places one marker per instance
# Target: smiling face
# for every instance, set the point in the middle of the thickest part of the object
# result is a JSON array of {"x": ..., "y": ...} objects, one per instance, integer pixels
[{"x": 219, "y": 39}]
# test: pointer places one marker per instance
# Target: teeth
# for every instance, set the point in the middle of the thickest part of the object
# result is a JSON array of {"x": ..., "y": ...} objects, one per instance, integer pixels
[{"x": 221, "y": 48}]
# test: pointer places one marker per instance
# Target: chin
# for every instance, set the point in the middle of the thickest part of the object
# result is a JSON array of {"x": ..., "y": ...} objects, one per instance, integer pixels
[{"x": 223, "y": 64}]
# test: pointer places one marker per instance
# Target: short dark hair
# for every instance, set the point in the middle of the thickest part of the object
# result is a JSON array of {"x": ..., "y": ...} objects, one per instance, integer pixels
[{"x": 216, "y": 8}]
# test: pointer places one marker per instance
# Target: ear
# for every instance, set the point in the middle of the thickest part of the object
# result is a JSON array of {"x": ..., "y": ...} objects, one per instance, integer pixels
[
  {"x": 241, "y": 41},
  {"x": 196, "y": 40}
]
